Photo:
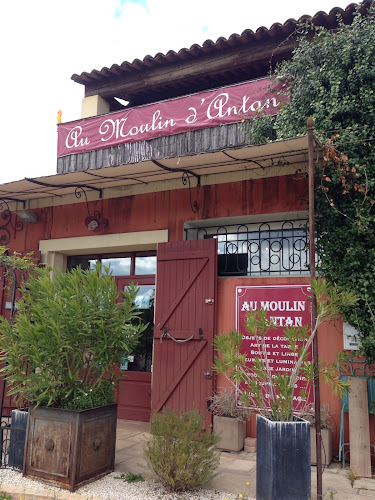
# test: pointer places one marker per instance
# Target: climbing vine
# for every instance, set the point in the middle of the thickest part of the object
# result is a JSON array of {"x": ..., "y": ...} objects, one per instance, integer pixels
[{"x": 331, "y": 78}]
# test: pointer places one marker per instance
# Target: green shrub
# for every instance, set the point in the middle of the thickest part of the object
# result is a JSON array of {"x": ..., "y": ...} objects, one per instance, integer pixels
[
  {"x": 180, "y": 451},
  {"x": 67, "y": 338}
]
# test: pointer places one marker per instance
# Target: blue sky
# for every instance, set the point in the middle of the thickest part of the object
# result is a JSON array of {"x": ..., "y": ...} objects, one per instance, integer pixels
[{"x": 45, "y": 41}]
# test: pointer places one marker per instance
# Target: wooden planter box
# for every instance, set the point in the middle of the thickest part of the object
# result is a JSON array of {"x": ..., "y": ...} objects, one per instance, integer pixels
[
  {"x": 283, "y": 460},
  {"x": 326, "y": 446},
  {"x": 69, "y": 448},
  {"x": 231, "y": 431}
]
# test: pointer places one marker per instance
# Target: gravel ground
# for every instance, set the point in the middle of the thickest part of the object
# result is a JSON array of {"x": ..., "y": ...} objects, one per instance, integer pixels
[{"x": 111, "y": 488}]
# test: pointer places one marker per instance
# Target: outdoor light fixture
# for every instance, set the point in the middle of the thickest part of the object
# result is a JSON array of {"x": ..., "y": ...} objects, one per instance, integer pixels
[
  {"x": 27, "y": 216},
  {"x": 96, "y": 222}
]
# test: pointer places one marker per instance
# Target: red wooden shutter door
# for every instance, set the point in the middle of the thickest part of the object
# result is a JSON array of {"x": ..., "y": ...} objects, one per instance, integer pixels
[{"x": 185, "y": 318}]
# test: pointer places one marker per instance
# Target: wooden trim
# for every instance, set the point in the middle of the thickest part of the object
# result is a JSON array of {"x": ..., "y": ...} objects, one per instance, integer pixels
[{"x": 180, "y": 72}]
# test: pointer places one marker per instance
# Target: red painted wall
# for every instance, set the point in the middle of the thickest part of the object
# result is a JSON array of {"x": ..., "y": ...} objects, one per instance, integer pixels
[
  {"x": 170, "y": 210},
  {"x": 167, "y": 209}
]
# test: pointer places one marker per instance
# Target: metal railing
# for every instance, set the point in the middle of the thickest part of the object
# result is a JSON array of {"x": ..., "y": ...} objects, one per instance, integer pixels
[{"x": 262, "y": 249}]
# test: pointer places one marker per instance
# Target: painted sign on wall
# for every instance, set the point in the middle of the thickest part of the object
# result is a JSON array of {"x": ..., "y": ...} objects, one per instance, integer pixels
[
  {"x": 196, "y": 111},
  {"x": 286, "y": 305}
]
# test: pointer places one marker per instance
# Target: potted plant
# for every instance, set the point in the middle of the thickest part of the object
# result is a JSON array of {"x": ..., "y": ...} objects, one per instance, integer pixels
[
  {"x": 60, "y": 356},
  {"x": 229, "y": 419},
  {"x": 326, "y": 434},
  {"x": 283, "y": 439}
]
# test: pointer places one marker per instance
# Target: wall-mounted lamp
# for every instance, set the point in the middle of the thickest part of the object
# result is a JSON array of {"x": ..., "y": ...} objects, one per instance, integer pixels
[
  {"x": 26, "y": 216},
  {"x": 96, "y": 222}
]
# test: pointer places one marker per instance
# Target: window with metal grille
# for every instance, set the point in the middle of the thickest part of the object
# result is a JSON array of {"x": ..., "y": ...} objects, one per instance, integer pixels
[{"x": 258, "y": 249}]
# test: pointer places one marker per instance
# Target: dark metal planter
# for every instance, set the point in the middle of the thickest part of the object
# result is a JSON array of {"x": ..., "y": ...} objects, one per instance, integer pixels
[
  {"x": 283, "y": 460},
  {"x": 17, "y": 438},
  {"x": 69, "y": 448}
]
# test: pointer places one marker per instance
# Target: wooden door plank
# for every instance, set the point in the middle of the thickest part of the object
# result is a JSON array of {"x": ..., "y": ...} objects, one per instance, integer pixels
[
  {"x": 186, "y": 275},
  {"x": 181, "y": 295},
  {"x": 178, "y": 376},
  {"x": 359, "y": 427}
]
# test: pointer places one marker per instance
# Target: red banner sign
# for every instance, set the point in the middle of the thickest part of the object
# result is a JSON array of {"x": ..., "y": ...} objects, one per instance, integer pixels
[
  {"x": 206, "y": 109},
  {"x": 286, "y": 305}
]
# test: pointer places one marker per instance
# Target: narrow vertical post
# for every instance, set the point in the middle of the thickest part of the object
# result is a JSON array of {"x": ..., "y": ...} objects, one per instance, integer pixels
[{"x": 310, "y": 137}]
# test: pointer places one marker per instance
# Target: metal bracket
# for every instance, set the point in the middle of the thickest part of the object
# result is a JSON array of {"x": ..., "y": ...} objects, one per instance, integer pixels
[
  {"x": 185, "y": 181},
  {"x": 200, "y": 333}
]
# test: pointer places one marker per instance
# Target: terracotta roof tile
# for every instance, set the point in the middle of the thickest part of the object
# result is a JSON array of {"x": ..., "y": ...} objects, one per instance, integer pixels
[{"x": 208, "y": 47}]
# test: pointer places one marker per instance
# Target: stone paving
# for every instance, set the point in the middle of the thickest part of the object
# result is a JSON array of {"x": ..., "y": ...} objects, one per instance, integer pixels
[
  {"x": 235, "y": 469},
  {"x": 236, "y": 472}
]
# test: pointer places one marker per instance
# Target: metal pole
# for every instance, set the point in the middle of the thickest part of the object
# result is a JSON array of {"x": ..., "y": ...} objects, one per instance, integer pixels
[{"x": 310, "y": 137}]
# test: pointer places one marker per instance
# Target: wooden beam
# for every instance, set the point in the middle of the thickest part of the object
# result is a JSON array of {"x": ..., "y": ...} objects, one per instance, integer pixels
[
  {"x": 177, "y": 73},
  {"x": 359, "y": 427}
]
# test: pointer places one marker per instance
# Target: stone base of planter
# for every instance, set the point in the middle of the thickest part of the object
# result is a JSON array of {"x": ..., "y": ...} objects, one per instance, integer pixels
[
  {"x": 232, "y": 432},
  {"x": 250, "y": 445},
  {"x": 69, "y": 448},
  {"x": 326, "y": 446}
]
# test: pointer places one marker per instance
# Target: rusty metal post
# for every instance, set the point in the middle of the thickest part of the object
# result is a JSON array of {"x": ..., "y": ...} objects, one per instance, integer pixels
[{"x": 310, "y": 137}]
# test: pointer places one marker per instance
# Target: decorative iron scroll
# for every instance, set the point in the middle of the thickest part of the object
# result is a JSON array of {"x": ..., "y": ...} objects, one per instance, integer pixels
[
  {"x": 193, "y": 204},
  {"x": 185, "y": 181},
  {"x": 9, "y": 223},
  {"x": 356, "y": 368},
  {"x": 279, "y": 247}
]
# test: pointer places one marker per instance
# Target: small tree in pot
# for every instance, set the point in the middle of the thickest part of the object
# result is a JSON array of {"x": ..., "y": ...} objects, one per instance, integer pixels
[
  {"x": 60, "y": 354},
  {"x": 283, "y": 462}
]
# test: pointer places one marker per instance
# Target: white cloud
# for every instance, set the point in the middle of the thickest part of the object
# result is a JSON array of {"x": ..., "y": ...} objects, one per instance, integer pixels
[{"x": 45, "y": 41}]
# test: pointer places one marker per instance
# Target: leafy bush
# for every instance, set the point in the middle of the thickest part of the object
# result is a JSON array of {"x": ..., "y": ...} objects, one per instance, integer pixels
[
  {"x": 67, "y": 337},
  {"x": 180, "y": 451}
]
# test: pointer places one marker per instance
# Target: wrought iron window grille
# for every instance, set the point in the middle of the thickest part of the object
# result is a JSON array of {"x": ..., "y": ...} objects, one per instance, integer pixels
[{"x": 258, "y": 249}]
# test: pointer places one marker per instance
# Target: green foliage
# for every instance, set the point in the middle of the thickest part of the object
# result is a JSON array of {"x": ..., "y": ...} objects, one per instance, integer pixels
[
  {"x": 180, "y": 451},
  {"x": 331, "y": 78},
  {"x": 273, "y": 394},
  {"x": 130, "y": 478},
  {"x": 5, "y": 496},
  {"x": 352, "y": 476},
  {"x": 68, "y": 335},
  {"x": 24, "y": 263}
]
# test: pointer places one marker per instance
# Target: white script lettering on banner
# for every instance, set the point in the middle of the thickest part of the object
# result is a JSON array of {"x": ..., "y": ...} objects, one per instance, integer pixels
[{"x": 197, "y": 111}]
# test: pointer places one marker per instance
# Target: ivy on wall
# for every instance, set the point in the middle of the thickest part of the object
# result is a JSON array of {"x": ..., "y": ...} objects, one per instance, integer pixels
[{"x": 331, "y": 78}]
